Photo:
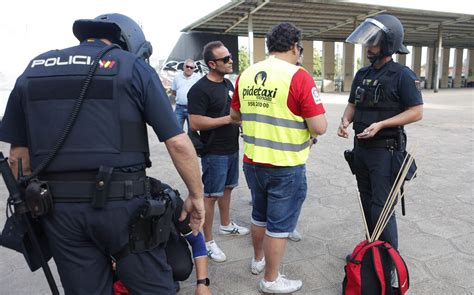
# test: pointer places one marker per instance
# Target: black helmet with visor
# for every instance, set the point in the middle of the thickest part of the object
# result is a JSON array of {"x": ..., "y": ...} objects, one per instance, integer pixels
[
  {"x": 119, "y": 29},
  {"x": 384, "y": 30}
]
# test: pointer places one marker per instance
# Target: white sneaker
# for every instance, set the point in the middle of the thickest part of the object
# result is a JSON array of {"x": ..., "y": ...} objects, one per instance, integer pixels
[
  {"x": 257, "y": 267},
  {"x": 233, "y": 229},
  {"x": 295, "y": 236},
  {"x": 280, "y": 285},
  {"x": 214, "y": 252}
]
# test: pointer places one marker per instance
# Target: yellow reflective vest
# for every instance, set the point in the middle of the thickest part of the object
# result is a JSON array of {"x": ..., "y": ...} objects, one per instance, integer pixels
[{"x": 272, "y": 133}]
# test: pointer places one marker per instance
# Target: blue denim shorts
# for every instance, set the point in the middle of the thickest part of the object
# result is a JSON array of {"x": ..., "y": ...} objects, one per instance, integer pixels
[
  {"x": 277, "y": 197},
  {"x": 219, "y": 172}
]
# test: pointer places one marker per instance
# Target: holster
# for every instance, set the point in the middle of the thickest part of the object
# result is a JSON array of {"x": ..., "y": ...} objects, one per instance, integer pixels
[
  {"x": 102, "y": 186},
  {"x": 14, "y": 236},
  {"x": 349, "y": 156},
  {"x": 150, "y": 224},
  {"x": 38, "y": 198}
]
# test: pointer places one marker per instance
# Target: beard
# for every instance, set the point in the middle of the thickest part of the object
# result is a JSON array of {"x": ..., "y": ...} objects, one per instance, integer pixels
[{"x": 373, "y": 57}]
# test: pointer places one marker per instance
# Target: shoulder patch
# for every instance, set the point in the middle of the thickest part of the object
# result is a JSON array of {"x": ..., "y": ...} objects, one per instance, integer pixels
[
  {"x": 316, "y": 97},
  {"x": 418, "y": 84}
]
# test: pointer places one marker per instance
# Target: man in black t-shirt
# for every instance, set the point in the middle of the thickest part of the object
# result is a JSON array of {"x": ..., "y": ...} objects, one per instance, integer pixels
[{"x": 209, "y": 108}]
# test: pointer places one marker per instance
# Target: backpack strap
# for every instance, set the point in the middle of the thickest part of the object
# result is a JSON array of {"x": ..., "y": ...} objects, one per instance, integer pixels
[
  {"x": 379, "y": 269},
  {"x": 402, "y": 270}
]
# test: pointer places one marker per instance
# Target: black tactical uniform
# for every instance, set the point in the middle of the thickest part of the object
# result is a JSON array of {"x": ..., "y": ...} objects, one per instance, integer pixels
[
  {"x": 379, "y": 94},
  {"x": 90, "y": 220}
]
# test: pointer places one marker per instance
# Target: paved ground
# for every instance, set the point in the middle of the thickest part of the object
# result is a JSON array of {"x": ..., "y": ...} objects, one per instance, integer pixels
[{"x": 436, "y": 235}]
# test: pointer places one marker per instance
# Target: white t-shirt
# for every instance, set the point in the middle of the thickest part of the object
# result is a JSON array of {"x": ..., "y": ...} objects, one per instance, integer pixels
[{"x": 182, "y": 84}]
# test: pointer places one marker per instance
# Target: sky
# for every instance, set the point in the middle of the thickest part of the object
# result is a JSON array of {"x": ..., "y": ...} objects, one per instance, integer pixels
[
  {"x": 30, "y": 27},
  {"x": 47, "y": 24}
]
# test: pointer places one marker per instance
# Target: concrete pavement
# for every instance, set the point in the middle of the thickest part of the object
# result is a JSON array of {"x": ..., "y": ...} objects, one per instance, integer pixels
[{"x": 436, "y": 235}]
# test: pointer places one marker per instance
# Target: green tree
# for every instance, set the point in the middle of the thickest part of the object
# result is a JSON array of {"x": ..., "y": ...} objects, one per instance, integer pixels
[
  {"x": 243, "y": 59},
  {"x": 337, "y": 66},
  {"x": 317, "y": 62}
]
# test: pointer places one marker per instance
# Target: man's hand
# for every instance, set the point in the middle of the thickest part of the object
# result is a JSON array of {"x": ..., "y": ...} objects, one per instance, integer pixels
[
  {"x": 342, "y": 130},
  {"x": 195, "y": 207},
  {"x": 370, "y": 131},
  {"x": 202, "y": 290}
]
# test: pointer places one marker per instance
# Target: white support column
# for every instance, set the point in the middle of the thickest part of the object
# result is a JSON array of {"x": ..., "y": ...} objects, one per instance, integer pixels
[
  {"x": 402, "y": 59},
  {"x": 328, "y": 67},
  {"x": 348, "y": 66},
  {"x": 416, "y": 61},
  {"x": 445, "y": 69},
  {"x": 308, "y": 56},
  {"x": 250, "y": 39},
  {"x": 258, "y": 49},
  {"x": 437, "y": 57},
  {"x": 470, "y": 67},
  {"x": 457, "y": 68}
]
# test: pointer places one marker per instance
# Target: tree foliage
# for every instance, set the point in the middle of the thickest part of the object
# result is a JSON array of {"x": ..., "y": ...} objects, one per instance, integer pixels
[
  {"x": 317, "y": 63},
  {"x": 244, "y": 60}
]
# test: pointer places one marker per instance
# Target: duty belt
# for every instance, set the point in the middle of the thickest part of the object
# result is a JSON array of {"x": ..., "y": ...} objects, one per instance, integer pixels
[
  {"x": 389, "y": 143},
  {"x": 82, "y": 187}
]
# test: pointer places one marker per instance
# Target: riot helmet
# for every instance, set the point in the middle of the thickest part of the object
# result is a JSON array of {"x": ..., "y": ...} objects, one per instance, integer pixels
[
  {"x": 119, "y": 29},
  {"x": 383, "y": 29}
]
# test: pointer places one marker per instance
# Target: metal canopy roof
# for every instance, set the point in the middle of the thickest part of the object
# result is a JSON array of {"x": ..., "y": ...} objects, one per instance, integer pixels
[{"x": 325, "y": 20}]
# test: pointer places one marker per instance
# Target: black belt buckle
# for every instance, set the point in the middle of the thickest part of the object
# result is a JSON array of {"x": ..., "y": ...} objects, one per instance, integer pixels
[{"x": 102, "y": 183}]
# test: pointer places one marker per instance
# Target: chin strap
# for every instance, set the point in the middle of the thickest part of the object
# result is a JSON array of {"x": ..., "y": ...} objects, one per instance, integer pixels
[{"x": 374, "y": 60}]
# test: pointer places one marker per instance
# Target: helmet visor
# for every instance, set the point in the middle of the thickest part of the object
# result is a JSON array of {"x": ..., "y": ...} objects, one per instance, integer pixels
[{"x": 367, "y": 34}]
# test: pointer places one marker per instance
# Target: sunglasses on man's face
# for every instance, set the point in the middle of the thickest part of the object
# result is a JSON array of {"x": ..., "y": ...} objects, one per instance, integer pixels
[
  {"x": 301, "y": 49},
  {"x": 190, "y": 67},
  {"x": 224, "y": 59}
]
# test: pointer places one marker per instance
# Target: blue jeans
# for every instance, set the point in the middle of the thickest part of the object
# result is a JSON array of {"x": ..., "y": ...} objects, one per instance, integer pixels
[
  {"x": 278, "y": 194},
  {"x": 181, "y": 112},
  {"x": 219, "y": 172}
]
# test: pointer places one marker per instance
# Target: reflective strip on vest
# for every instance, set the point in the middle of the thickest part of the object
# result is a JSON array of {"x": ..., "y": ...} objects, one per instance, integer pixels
[
  {"x": 272, "y": 133},
  {"x": 276, "y": 145},
  {"x": 274, "y": 121}
]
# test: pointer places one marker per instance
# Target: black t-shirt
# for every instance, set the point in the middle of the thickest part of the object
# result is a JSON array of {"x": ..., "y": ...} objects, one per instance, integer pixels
[{"x": 208, "y": 98}]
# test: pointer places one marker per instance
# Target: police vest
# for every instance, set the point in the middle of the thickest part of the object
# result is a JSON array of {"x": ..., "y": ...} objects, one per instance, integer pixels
[
  {"x": 109, "y": 129},
  {"x": 376, "y": 99},
  {"x": 272, "y": 133}
]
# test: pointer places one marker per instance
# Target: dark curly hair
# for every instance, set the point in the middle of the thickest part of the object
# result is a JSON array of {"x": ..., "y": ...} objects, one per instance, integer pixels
[{"x": 282, "y": 37}]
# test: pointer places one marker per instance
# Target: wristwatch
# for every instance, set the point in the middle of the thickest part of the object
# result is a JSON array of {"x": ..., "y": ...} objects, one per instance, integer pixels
[{"x": 205, "y": 282}]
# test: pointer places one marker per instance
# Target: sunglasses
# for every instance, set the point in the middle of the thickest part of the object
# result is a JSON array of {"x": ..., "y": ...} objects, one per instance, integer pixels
[
  {"x": 224, "y": 59},
  {"x": 190, "y": 67},
  {"x": 300, "y": 48}
]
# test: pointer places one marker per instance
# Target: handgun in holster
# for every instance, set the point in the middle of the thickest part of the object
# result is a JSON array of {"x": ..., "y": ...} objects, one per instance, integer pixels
[
  {"x": 150, "y": 225},
  {"x": 349, "y": 156}
]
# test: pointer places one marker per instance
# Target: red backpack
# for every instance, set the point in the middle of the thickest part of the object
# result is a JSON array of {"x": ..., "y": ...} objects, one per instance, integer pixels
[{"x": 369, "y": 270}]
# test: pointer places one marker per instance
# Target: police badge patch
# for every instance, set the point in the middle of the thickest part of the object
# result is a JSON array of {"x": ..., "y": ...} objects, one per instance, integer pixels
[
  {"x": 315, "y": 94},
  {"x": 418, "y": 84}
]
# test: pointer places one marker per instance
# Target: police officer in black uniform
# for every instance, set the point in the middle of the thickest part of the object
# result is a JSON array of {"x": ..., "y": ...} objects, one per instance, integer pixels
[
  {"x": 97, "y": 178},
  {"x": 384, "y": 97}
]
